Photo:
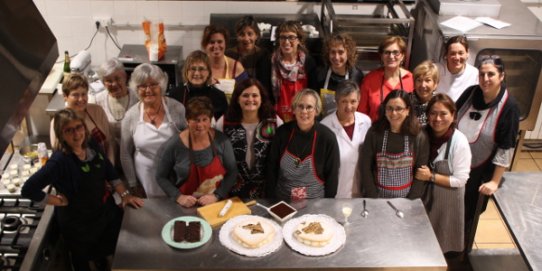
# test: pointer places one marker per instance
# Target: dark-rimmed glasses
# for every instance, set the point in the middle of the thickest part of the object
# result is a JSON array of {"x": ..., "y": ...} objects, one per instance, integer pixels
[{"x": 71, "y": 130}]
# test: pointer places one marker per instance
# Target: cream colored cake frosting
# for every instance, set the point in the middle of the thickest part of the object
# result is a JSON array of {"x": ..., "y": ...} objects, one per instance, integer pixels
[
  {"x": 314, "y": 232},
  {"x": 253, "y": 232}
]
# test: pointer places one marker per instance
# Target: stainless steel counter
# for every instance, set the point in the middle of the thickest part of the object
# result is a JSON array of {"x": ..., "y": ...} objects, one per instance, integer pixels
[
  {"x": 520, "y": 202},
  {"x": 382, "y": 241}
]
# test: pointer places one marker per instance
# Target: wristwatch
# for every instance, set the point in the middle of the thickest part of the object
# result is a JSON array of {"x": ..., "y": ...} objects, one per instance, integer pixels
[
  {"x": 432, "y": 177},
  {"x": 125, "y": 193}
]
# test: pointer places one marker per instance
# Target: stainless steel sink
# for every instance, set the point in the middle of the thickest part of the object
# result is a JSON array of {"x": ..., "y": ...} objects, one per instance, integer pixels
[{"x": 471, "y": 8}]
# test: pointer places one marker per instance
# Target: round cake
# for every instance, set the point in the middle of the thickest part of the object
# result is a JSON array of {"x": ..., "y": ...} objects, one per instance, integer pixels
[
  {"x": 314, "y": 232},
  {"x": 253, "y": 232}
]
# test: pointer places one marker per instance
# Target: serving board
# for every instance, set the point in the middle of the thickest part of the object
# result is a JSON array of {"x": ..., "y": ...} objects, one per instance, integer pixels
[{"x": 211, "y": 211}]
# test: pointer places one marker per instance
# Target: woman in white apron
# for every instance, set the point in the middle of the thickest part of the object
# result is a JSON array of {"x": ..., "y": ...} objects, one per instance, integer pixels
[
  {"x": 146, "y": 126},
  {"x": 446, "y": 175},
  {"x": 394, "y": 148}
]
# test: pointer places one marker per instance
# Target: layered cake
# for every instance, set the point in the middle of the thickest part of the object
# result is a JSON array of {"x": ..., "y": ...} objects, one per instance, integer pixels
[
  {"x": 190, "y": 233},
  {"x": 253, "y": 232},
  {"x": 314, "y": 232}
]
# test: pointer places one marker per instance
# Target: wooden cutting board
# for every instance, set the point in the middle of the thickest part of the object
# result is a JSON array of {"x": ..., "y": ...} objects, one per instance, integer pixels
[{"x": 210, "y": 212}]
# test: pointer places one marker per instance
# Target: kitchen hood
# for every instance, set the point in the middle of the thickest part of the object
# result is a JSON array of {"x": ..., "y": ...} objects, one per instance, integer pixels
[{"x": 28, "y": 51}]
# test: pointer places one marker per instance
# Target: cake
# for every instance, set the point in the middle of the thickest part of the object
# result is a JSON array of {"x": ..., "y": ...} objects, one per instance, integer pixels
[
  {"x": 179, "y": 229},
  {"x": 193, "y": 232},
  {"x": 314, "y": 232},
  {"x": 253, "y": 232}
]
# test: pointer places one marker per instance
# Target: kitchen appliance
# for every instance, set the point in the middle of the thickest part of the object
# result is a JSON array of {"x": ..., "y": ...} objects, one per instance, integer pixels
[
  {"x": 519, "y": 46},
  {"x": 81, "y": 62}
]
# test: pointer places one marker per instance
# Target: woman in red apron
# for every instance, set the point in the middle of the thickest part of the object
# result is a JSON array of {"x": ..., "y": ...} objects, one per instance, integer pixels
[
  {"x": 394, "y": 147},
  {"x": 291, "y": 67},
  {"x": 197, "y": 166}
]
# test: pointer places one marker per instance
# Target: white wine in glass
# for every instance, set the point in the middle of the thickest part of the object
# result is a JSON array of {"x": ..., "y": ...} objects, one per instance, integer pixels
[{"x": 347, "y": 211}]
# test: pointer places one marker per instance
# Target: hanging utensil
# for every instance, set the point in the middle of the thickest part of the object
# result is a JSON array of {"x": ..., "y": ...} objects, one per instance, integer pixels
[{"x": 397, "y": 211}]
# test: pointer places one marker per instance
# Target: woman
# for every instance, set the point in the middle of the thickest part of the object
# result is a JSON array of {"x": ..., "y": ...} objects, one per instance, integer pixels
[
  {"x": 394, "y": 148},
  {"x": 450, "y": 158},
  {"x": 292, "y": 67},
  {"x": 75, "y": 91},
  {"x": 378, "y": 83},
  {"x": 146, "y": 126},
  {"x": 350, "y": 128},
  {"x": 250, "y": 124},
  {"x": 196, "y": 166},
  {"x": 489, "y": 116},
  {"x": 117, "y": 99},
  {"x": 457, "y": 75},
  {"x": 426, "y": 78},
  {"x": 255, "y": 60},
  {"x": 225, "y": 70},
  {"x": 198, "y": 82},
  {"x": 303, "y": 161},
  {"x": 87, "y": 215},
  {"x": 340, "y": 56}
]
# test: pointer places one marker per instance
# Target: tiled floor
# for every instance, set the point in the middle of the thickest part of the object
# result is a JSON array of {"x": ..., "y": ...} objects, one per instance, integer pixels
[{"x": 492, "y": 231}]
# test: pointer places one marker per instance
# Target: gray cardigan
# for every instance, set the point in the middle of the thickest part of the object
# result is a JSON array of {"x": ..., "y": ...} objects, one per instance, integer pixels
[
  {"x": 129, "y": 123},
  {"x": 173, "y": 164}
]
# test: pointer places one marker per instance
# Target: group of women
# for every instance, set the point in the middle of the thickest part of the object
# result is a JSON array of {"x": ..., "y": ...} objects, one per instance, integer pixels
[{"x": 250, "y": 124}]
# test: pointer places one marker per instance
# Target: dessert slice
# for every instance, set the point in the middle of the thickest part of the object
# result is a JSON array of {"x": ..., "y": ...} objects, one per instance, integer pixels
[
  {"x": 193, "y": 232},
  {"x": 179, "y": 229}
]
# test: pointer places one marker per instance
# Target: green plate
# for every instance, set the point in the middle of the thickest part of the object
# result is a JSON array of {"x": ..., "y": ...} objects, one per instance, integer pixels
[{"x": 167, "y": 232}]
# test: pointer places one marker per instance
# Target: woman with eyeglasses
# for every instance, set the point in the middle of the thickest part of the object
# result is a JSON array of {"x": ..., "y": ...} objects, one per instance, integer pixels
[
  {"x": 85, "y": 211},
  {"x": 456, "y": 74},
  {"x": 394, "y": 147},
  {"x": 225, "y": 70},
  {"x": 250, "y": 123},
  {"x": 340, "y": 56},
  {"x": 117, "y": 98},
  {"x": 446, "y": 175},
  {"x": 378, "y": 83},
  {"x": 350, "y": 128},
  {"x": 146, "y": 126},
  {"x": 489, "y": 116},
  {"x": 292, "y": 67},
  {"x": 426, "y": 80},
  {"x": 303, "y": 161},
  {"x": 255, "y": 59},
  {"x": 75, "y": 91},
  {"x": 198, "y": 79}
]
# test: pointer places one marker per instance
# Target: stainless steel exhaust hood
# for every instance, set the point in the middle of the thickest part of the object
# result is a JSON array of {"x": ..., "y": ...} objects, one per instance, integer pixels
[{"x": 28, "y": 51}]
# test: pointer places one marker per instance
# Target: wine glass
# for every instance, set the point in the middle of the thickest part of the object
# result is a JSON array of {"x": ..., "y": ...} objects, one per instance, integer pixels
[{"x": 347, "y": 211}]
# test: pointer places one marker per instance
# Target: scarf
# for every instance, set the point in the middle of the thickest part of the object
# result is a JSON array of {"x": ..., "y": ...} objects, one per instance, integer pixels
[
  {"x": 281, "y": 72},
  {"x": 436, "y": 142}
]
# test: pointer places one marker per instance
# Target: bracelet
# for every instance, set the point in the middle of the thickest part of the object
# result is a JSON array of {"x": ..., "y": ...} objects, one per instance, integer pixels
[
  {"x": 125, "y": 193},
  {"x": 433, "y": 177}
]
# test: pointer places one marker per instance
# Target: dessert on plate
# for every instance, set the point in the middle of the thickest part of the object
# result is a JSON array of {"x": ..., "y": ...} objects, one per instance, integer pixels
[
  {"x": 253, "y": 232},
  {"x": 314, "y": 232}
]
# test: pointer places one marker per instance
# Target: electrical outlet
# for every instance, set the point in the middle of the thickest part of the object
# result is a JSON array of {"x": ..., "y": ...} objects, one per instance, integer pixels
[{"x": 104, "y": 21}]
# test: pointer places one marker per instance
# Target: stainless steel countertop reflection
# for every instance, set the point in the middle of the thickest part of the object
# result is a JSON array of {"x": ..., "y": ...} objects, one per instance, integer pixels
[
  {"x": 381, "y": 241},
  {"x": 520, "y": 202}
]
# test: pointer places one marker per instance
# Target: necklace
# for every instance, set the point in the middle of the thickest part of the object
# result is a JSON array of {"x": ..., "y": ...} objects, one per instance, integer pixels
[
  {"x": 152, "y": 120},
  {"x": 297, "y": 160}
]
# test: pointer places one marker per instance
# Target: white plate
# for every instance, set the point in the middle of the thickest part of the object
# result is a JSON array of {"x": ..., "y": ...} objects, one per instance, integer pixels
[
  {"x": 227, "y": 240},
  {"x": 336, "y": 242}
]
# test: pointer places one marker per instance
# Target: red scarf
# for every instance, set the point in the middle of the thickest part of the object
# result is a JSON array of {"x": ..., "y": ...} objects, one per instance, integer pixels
[{"x": 436, "y": 142}]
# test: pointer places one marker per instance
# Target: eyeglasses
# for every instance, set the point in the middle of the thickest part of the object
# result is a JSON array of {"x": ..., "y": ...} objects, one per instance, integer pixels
[
  {"x": 198, "y": 69},
  {"x": 150, "y": 86},
  {"x": 394, "y": 53},
  {"x": 71, "y": 130},
  {"x": 391, "y": 109},
  {"x": 490, "y": 59},
  {"x": 475, "y": 115},
  {"x": 291, "y": 38},
  {"x": 308, "y": 108}
]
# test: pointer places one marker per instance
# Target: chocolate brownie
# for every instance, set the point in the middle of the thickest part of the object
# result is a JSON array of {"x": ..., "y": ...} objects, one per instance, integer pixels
[
  {"x": 193, "y": 232},
  {"x": 179, "y": 231}
]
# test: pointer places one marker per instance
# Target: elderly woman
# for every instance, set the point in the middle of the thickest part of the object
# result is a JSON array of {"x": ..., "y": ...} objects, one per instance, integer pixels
[
  {"x": 378, "y": 83},
  {"x": 196, "y": 166},
  {"x": 394, "y": 148},
  {"x": 225, "y": 70},
  {"x": 250, "y": 123},
  {"x": 447, "y": 174},
  {"x": 88, "y": 217},
  {"x": 75, "y": 91},
  {"x": 292, "y": 68},
  {"x": 426, "y": 78},
  {"x": 350, "y": 128},
  {"x": 146, "y": 126},
  {"x": 489, "y": 116},
  {"x": 117, "y": 99},
  {"x": 303, "y": 161},
  {"x": 456, "y": 75},
  {"x": 340, "y": 56},
  {"x": 198, "y": 82},
  {"x": 255, "y": 60}
]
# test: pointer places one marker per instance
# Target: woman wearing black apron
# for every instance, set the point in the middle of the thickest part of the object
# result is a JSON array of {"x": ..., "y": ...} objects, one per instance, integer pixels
[
  {"x": 394, "y": 148},
  {"x": 88, "y": 218}
]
